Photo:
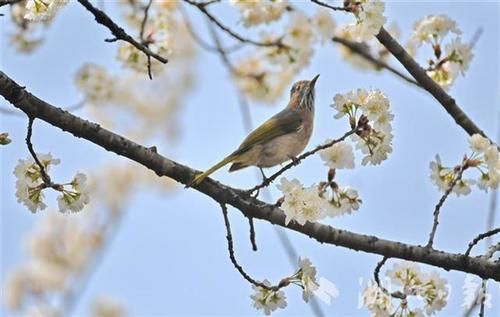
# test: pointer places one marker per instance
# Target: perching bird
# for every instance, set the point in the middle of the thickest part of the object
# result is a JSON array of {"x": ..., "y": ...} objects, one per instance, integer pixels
[{"x": 277, "y": 140}]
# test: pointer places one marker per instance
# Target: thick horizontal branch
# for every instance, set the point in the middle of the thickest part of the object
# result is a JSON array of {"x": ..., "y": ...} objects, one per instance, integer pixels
[
  {"x": 427, "y": 83},
  {"x": 250, "y": 207}
]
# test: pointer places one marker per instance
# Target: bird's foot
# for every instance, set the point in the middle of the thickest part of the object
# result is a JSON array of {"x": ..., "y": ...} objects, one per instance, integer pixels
[
  {"x": 295, "y": 160},
  {"x": 265, "y": 179}
]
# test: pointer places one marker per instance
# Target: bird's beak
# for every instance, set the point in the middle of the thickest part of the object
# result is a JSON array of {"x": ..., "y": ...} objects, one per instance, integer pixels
[{"x": 313, "y": 81}]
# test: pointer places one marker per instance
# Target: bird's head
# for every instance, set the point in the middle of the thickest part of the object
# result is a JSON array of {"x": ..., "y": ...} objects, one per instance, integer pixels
[{"x": 302, "y": 94}]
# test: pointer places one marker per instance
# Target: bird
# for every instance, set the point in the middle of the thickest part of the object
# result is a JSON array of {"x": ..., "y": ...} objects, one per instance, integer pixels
[{"x": 281, "y": 138}]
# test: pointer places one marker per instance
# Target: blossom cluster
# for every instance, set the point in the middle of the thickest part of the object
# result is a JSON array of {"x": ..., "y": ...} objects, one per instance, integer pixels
[
  {"x": 30, "y": 19},
  {"x": 118, "y": 99},
  {"x": 95, "y": 83},
  {"x": 302, "y": 204},
  {"x": 258, "y": 12},
  {"x": 59, "y": 247},
  {"x": 30, "y": 184},
  {"x": 264, "y": 74},
  {"x": 474, "y": 293},
  {"x": 369, "y": 16},
  {"x": 42, "y": 10},
  {"x": 485, "y": 158},
  {"x": 433, "y": 30},
  {"x": 409, "y": 281},
  {"x": 269, "y": 300},
  {"x": 373, "y": 140}
]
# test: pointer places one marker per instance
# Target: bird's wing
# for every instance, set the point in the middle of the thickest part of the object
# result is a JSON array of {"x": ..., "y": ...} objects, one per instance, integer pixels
[{"x": 282, "y": 123}]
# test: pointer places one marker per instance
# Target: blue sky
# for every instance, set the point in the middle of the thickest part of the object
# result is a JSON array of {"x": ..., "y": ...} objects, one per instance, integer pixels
[{"x": 169, "y": 256}]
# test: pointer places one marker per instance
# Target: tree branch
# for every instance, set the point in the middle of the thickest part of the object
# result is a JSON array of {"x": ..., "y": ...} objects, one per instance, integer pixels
[
  {"x": 202, "y": 7},
  {"x": 230, "y": 249},
  {"x": 441, "y": 201},
  {"x": 357, "y": 48},
  {"x": 479, "y": 238},
  {"x": 120, "y": 34},
  {"x": 446, "y": 101},
  {"x": 249, "y": 206}
]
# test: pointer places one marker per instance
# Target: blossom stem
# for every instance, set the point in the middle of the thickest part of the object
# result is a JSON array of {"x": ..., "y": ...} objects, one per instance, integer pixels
[{"x": 43, "y": 173}]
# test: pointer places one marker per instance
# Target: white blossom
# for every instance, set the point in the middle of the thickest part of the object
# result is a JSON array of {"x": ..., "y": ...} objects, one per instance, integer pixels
[
  {"x": 349, "y": 200},
  {"x": 434, "y": 290},
  {"x": 324, "y": 24},
  {"x": 29, "y": 183},
  {"x": 340, "y": 155},
  {"x": 374, "y": 105},
  {"x": 301, "y": 204},
  {"x": 107, "y": 307},
  {"x": 307, "y": 276},
  {"x": 348, "y": 55},
  {"x": 42, "y": 10},
  {"x": 459, "y": 56},
  {"x": 369, "y": 19},
  {"x": 95, "y": 83},
  {"x": 42, "y": 310},
  {"x": 255, "y": 12},
  {"x": 406, "y": 274},
  {"x": 478, "y": 143},
  {"x": 77, "y": 197},
  {"x": 474, "y": 293},
  {"x": 134, "y": 59},
  {"x": 462, "y": 187},
  {"x": 376, "y": 300},
  {"x": 267, "y": 300},
  {"x": 433, "y": 28}
]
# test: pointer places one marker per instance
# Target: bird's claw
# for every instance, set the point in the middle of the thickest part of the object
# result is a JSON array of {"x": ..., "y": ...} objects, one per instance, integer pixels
[{"x": 295, "y": 161}]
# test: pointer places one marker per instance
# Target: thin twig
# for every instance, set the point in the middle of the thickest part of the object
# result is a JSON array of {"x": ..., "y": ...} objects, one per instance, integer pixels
[
  {"x": 252, "y": 234},
  {"x": 480, "y": 237},
  {"x": 483, "y": 298},
  {"x": 441, "y": 201},
  {"x": 326, "y": 5},
  {"x": 297, "y": 161},
  {"x": 357, "y": 48},
  {"x": 200, "y": 41},
  {"x": 226, "y": 29},
  {"x": 238, "y": 267},
  {"x": 7, "y": 2},
  {"x": 43, "y": 173},
  {"x": 120, "y": 34},
  {"x": 376, "y": 273},
  {"x": 145, "y": 20}
]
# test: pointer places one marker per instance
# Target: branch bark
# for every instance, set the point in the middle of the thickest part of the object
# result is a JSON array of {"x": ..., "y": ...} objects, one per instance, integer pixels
[
  {"x": 120, "y": 34},
  {"x": 250, "y": 207},
  {"x": 446, "y": 101}
]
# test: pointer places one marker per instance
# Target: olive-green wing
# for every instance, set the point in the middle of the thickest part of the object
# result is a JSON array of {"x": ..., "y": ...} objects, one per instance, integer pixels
[{"x": 282, "y": 123}]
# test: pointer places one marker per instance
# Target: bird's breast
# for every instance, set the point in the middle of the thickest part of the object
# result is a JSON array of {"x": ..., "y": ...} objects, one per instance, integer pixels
[{"x": 282, "y": 148}]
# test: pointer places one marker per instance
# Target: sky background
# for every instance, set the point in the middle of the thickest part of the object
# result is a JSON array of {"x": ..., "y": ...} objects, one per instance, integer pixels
[{"x": 169, "y": 256}]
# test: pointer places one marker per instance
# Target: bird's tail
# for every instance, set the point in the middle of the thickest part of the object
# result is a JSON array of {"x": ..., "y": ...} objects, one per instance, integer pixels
[{"x": 200, "y": 177}]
